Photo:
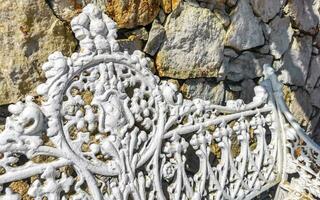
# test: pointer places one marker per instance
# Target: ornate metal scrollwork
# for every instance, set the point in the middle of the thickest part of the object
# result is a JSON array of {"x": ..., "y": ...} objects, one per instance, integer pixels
[{"x": 107, "y": 128}]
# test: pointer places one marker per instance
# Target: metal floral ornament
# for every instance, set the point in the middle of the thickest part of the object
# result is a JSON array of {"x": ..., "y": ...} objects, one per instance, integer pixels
[{"x": 107, "y": 128}]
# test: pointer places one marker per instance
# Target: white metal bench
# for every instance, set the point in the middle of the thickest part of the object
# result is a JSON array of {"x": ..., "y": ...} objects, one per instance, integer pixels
[{"x": 105, "y": 127}]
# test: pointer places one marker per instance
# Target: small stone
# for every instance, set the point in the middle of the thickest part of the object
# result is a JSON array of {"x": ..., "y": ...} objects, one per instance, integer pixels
[
  {"x": 130, "y": 14},
  {"x": 203, "y": 89},
  {"x": 224, "y": 18},
  {"x": 162, "y": 16},
  {"x": 156, "y": 37},
  {"x": 231, "y": 3},
  {"x": 169, "y": 5},
  {"x": 247, "y": 66},
  {"x": 247, "y": 92},
  {"x": 314, "y": 73},
  {"x": 193, "y": 45},
  {"x": 166, "y": 6},
  {"x": 244, "y": 31},
  {"x": 175, "y": 4},
  {"x": 236, "y": 87},
  {"x": 140, "y": 33},
  {"x": 296, "y": 61},
  {"x": 266, "y": 9},
  {"x": 230, "y": 53},
  {"x": 130, "y": 45},
  {"x": 302, "y": 14},
  {"x": 280, "y": 36}
]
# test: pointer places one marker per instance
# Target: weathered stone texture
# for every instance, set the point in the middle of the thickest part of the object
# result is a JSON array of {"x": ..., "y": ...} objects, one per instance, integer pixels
[
  {"x": 204, "y": 89},
  {"x": 244, "y": 31},
  {"x": 303, "y": 15},
  {"x": 193, "y": 45},
  {"x": 280, "y": 36},
  {"x": 266, "y": 9},
  {"x": 132, "y": 13},
  {"x": 247, "y": 66},
  {"x": 296, "y": 61},
  {"x": 29, "y": 32}
]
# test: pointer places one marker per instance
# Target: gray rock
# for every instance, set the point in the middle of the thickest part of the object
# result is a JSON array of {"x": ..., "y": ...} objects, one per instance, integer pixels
[
  {"x": 295, "y": 63},
  {"x": 230, "y": 53},
  {"x": 302, "y": 14},
  {"x": 130, "y": 45},
  {"x": 247, "y": 66},
  {"x": 280, "y": 36},
  {"x": 156, "y": 37},
  {"x": 231, "y": 3},
  {"x": 193, "y": 46},
  {"x": 204, "y": 89},
  {"x": 314, "y": 73},
  {"x": 315, "y": 97},
  {"x": 244, "y": 31},
  {"x": 247, "y": 92},
  {"x": 266, "y": 9}
]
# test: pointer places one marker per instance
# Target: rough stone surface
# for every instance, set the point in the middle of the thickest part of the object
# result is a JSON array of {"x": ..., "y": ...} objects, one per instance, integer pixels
[
  {"x": 247, "y": 92},
  {"x": 204, "y": 89},
  {"x": 299, "y": 102},
  {"x": 296, "y": 61},
  {"x": 66, "y": 10},
  {"x": 130, "y": 44},
  {"x": 302, "y": 14},
  {"x": 132, "y": 13},
  {"x": 29, "y": 32},
  {"x": 266, "y": 9},
  {"x": 280, "y": 36},
  {"x": 314, "y": 73},
  {"x": 244, "y": 31},
  {"x": 183, "y": 55},
  {"x": 247, "y": 66},
  {"x": 156, "y": 37},
  {"x": 315, "y": 97},
  {"x": 169, "y": 5}
]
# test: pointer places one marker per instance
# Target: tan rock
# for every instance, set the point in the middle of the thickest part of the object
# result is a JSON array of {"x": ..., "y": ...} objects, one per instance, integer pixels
[
  {"x": 29, "y": 32},
  {"x": 169, "y": 5},
  {"x": 132, "y": 13}
]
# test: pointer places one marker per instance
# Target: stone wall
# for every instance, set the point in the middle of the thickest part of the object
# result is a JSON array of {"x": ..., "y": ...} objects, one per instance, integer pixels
[{"x": 212, "y": 49}]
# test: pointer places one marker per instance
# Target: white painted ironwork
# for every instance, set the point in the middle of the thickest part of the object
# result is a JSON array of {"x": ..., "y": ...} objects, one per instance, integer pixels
[{"x": 105, "y": 127}]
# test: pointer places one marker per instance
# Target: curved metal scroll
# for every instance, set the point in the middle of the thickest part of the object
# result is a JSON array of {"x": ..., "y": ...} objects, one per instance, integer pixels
[{"x": 107, "y": 128}]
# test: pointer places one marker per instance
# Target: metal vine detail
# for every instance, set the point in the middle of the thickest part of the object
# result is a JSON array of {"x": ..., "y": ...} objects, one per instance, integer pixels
[{"x": 105, "y": 127}]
